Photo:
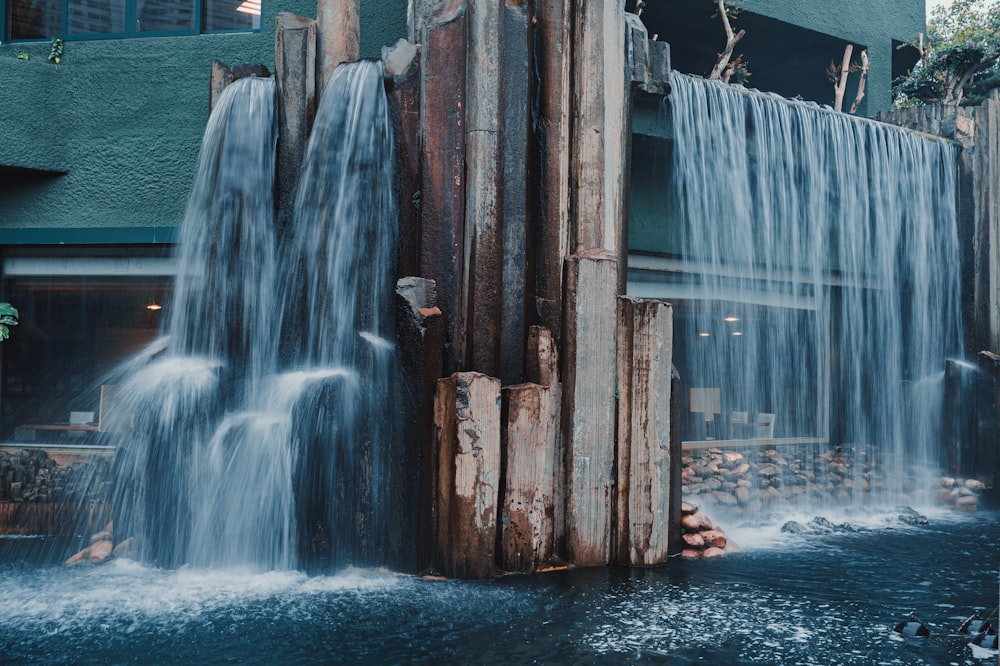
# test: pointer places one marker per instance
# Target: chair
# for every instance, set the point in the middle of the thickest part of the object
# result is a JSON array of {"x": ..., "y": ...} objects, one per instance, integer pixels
[
  {"x": 737, "y": 424},
  {"x": 765, "y": 426}
]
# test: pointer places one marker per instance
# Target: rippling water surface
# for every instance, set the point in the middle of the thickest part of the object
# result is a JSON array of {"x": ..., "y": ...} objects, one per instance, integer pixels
[{"x": 829, "y": 599}]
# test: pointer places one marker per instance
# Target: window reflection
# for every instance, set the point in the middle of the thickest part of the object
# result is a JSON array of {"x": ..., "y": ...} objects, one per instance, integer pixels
[
  {"x": 35, "y": 19},
  {"x": 96, "y": 17}
]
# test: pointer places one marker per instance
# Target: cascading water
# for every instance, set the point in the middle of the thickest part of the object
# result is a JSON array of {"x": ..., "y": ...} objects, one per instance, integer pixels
[
  {"x": 825, "y": 284},
  {"x": 255, "y": 432}
]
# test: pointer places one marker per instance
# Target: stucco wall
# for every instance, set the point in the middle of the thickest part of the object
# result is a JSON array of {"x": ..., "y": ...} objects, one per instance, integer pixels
[{"x": 124, "y": 118}]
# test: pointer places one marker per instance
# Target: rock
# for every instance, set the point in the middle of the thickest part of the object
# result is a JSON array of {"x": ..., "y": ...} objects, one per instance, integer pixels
[
  {"x": 704, "y": 522},
  {"x": 103, "y": 535},
  {"x": 714, "y": 539},
  {"x": 126, "y": 549},
  {"x": 975, "y": 485},
  {"x": 821, "y": 524},
  {"x": 967, "y": 504},
  {"x": 768, "y": 469},
  {"x": 100, "y": 551},
  {"x": 691, "y": 553},
  {"x": 713, "y": 552},
  {"x": 731, "y": 547},
  {"x": 947, "y": 482},
  {"x": 742, "y": 494},
  {"x": 732, "y": 456},
  {"x": 78, "y": 558},
  {"x": 689, "y": 508},
  {"x": 690, "y": 523},
  {"x": 694, "y": 540}
]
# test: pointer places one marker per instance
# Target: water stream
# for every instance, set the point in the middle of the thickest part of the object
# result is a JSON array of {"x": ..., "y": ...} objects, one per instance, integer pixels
[{"x": 824, "y": 287}]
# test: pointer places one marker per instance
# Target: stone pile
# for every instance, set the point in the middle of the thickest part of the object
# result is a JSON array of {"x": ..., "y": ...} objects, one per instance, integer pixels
[
  {"x": 701, "y": 537},
  {"x": 102, "y": 548},
  {"x": 32, "y": 476},
  {"x": 762, "y": 480},
  {"x": 960, "y": 494}
]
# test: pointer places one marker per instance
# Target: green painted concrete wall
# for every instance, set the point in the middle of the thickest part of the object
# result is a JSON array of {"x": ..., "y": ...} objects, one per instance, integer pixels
[
  {"x": 863, "y": 22},
  {"x": 123, "y": 119}
]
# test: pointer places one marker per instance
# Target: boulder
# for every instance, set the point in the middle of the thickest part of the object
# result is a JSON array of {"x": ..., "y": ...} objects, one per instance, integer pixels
[
  {"x": 690, "y": 523},
  {"x": 713, "y": 552},
  {"x": 100, "y": 551},
  {"x": 714, "y": 539},
  {"x": 967, "y": 503},
  {"x": 694, "y": 540},
  {"x": 691, "y": 553},
  {"x": 975, "y": 485},
  {"x": 78, "y": 558}
]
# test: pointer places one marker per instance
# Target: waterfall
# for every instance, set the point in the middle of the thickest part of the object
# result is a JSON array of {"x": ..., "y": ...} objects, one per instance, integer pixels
[
  {"x": 823, "y": 273},
  {"x": 255, "y": 432}
]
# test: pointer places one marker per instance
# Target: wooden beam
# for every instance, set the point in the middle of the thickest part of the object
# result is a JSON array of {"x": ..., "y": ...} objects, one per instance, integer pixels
[{"x": 339, "y": 36}]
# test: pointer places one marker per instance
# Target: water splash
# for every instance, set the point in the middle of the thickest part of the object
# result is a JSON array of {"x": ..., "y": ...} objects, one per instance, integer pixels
[
  {"x": 827, "y": 281},
  {"x": 253, "y": 434}
]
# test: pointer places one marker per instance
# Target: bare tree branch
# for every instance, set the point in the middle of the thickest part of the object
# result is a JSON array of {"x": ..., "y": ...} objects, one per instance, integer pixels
[
  {"x": 861, "y": 82},
  {"x": 845, "y": 69},
  {"x": 731, "y": 42}
]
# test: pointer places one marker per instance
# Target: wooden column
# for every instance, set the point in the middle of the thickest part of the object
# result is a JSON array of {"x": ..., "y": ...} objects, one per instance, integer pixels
[
  {"x": 482, "y": 305},
  {"x": 644, "y": 456},
  {"x": 548, "y": 184},
  {"x": 588, "y": 362},
  {"x": 339, "y": 36},
  {"x": 440, "y": 28},
  {"x": 418, "y": 341},
  {"x": 220, "y": 77},
  {"x": 530, "y": 436},
  {"x": 598, "y": 169},
  {"x": 986, "y": 176},
  {"x": 467, "y": 423},
  {"x": 516, "y": 101},
  {"x": 295, "y": 75},
  {"x": 402, "y": 70}
]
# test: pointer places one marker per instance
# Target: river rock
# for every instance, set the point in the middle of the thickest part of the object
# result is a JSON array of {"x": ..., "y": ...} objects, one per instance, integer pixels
[
  {"x": 713, "y": 552},
  {"x": 691, "y": 553},
  {"x": 100, "y": 551},
  {"x": 975, "y": 485},
  {"x": 103, "y": 535},
  {"x": 78, "y": 558},
  {"x": 694, "y": 540},
  {"x": 714, "y": 539},
  {"x": 690, "y": 523},
  {"x": 967, "y": 504}
]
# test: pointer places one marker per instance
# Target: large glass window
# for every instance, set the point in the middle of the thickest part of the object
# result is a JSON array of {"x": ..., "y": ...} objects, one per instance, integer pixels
[
  {"x": 44, "y": 19},
  {"x": 79, "y": 318}
]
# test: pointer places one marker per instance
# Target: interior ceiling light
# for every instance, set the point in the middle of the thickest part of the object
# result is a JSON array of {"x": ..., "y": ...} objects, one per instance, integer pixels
[
  {"x": 250, "y": 7},
  {"x": 704, "y": 335},
  {"x": 737, "y": 332},
  {"x": 730, "y": 318},
  {"x": 154, "y": 306}
]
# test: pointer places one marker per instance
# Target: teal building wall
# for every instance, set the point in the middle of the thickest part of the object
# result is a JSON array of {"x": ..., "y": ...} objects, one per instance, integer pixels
[{"x": 103, "y": 147}]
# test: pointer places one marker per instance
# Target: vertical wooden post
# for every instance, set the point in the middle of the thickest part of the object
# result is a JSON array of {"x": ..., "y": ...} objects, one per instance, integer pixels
[
  {"x": 402, "y": 69},
  {"x": 599, "y": 123},
  {"x": 644, "y": 457},
  {"x": 542, "y": 357},
  {"x": 339, "y": 36},
  {"x": 440, "y": 28},
  {"x": 294, "y": 72},
  {"x": 549, "y": 181},
  {"x": 516, "y": 100},
  {"x": 467, "y": 423},
  {"x": 531, "y": 426},
  {"x": 220, "y": 77},
  {"x": 588, "y": 373},
  {"x": 418, "y": 339},
  {"x": 482, "y": 304}
]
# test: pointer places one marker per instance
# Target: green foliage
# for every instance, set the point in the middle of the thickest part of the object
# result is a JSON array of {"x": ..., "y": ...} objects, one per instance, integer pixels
[
  {"x": 56, "y": 52},
  {"x": 8, "y": 318},
  {"x": 23, "y": 55},
  {"x": 958, "y": 63}
]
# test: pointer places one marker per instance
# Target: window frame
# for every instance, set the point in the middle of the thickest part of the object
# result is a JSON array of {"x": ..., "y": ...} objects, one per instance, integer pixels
[{"x": 129, "y": 33}]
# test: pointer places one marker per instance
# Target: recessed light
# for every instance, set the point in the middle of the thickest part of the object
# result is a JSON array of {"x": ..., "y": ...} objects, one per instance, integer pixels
[{"x": 730, "y": 318}]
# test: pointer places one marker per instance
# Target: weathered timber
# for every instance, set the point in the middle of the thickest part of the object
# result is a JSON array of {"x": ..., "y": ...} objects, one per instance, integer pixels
[
  {"x": 541, "y": 357},
  {"x": 588, "y": 380},
  {"x": 295, "y": 75},
  {"x": 441, "y": 33},
  {"x": 467, "y": 423},
  {"x": 548, "y": 182},
  {"x": 515, "y": 178},
  {"x": 598, "y": 170},
  {"x": 986, "y": 176},
  {"x": 644, "y": 493},
  {"x": 402, "y": 71},
  {"x": 482, "y": 302},
  {"x": 339, "y": 36},
  {"x": 418, "y": 340},
  {"x": 647, "y": 62},
  {"x": 530, "y": 437},
  {"x": 220, "y": 77}
]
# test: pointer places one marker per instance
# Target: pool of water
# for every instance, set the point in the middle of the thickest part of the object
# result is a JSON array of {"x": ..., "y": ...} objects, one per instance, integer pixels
[{"x": 787, "y": 599}]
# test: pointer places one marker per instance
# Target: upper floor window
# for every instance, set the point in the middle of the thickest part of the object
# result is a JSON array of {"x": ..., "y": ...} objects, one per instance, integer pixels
[{"x": 80, "y": 19}]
